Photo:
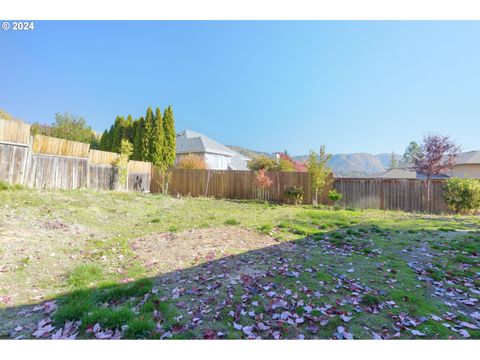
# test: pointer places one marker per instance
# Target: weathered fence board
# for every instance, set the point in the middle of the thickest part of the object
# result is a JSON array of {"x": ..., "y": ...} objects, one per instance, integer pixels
[
  {"x": 102, "y": 157},
  {"x": 13, "y": 161},
  {"x": 392, "y": 194},
  {"x": 229, "y": 184},
  {"x": 54, "y": 146},
  {"x": 139, "y": 182},
  {"x": 139, "y": 167},
  {"x": 14, "y": 131},
  {"x": 57, "y": 172},
  {"x": 103, "y": 177}
]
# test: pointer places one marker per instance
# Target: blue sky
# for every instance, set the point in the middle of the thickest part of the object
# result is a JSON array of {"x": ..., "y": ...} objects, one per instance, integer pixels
[{"x": 270, "y": 86}]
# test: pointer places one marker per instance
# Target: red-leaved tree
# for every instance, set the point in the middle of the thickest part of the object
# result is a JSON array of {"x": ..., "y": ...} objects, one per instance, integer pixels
[
  {"x": 437, "y": 156},
  {"x": 262, "y": 183}
]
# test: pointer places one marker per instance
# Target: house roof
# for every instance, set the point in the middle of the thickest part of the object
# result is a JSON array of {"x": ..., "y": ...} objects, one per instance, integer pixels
[
  {"x": 470, "y": 157},
  {"x": 405, "y": 173},
  {"x": 189, "y": 141},
  {"x": 399, "y": 173}
]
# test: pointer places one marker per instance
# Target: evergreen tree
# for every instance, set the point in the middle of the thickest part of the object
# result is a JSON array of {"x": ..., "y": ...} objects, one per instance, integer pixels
[
  {"x": 137, "y": 142},
  {"x": 128, "y": 129},
  {"x": 147, "y": 135},
  {"x": 103, "y": 141},
  {"x": 169, "y": 137},
  {"x": 410, "y": 152},
  {"x": 109, "y": 140},
  {"x": 118, "y": 132},
  {"x": 156, "y": 140}
]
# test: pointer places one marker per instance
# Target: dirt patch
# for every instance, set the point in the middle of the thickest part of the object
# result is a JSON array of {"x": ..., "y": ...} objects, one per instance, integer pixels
[
  {"x": 36, "y": 253},
  {"x": 166, "y": 252},
  {"x": 60, "y": 225}
]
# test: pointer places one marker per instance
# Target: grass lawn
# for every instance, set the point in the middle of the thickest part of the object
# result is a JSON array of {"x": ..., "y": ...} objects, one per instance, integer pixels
[{"x": 84, "y": 264}]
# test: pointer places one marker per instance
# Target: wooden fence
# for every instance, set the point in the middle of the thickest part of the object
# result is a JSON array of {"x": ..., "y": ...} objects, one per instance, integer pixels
[
  {"x": 386, "y": 194},
  {"x": 228, "y": 184},
  {"x": 14, "y": 131},
  {"x": 54, "y": 146},
  {"x": 13, "y": 163},
  {"x": 102, "y": 157},
  {"x": 391, "y": 194},
  {"x": 48, "y": 162}
]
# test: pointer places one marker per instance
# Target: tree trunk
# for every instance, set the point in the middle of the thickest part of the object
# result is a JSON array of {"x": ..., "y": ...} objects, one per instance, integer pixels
[{"x": 315, "y": 199}]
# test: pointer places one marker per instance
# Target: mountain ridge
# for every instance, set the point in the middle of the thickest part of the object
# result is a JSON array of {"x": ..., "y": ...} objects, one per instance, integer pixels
[{"x": 347, "y": 164}]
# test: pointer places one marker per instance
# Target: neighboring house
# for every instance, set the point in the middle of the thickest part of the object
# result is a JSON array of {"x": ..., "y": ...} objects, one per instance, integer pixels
[
  {"x": 467, "y": 164},
  {"x": 404, "y": 173},
  {"x": 216, "y": 155}
]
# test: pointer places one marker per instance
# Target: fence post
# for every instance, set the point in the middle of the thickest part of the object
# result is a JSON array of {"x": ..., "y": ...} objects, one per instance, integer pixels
[{"x": 26, "y": 169}]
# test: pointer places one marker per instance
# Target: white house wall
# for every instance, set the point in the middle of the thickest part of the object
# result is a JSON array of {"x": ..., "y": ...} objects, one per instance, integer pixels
[{"x": 216, "y": 161}]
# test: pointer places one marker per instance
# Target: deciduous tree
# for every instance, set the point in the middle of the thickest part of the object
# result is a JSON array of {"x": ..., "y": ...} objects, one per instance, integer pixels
[
  {"x": 436, "y": 156},
  {"x": 319, "y": 171}
]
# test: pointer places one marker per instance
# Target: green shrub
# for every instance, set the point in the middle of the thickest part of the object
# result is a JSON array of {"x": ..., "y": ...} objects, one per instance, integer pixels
[
  {"x": 462, "y": 195},
  {"x": 334, "y": 195},
  {"x": 6, "y": 186},
  {"x": 293, "y": 194}
]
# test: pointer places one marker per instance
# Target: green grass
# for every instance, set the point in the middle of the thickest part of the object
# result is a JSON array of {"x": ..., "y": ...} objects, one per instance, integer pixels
[
  {"x": 96, "y": 277},
  {"x": 232, "y": 222},
  {"x": 85, "y": 276}
]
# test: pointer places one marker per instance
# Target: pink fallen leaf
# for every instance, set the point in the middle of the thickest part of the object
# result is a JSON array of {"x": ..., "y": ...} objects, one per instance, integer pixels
[
  {"x": 237, "y": 326},
  {"x": 344, "y": 333},
  {"x": 57, "y": 335},
  {"x": 417, "y": 333},
  {"x": 299, "y": 320},
  {"x": 262, "y": 326},
  {"x": 43, "y": 331},
  {"x": 248, "y": 330},
  {"x": 345, "y": 318},
  {"x": 468, "y": 325},
  {"x": 464, "y": 333},
  {"x": 49, "y": 307}
]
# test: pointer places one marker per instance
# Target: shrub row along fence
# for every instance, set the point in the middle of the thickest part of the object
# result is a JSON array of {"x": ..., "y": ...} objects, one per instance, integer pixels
[
  {"x": 392, "y": 194},
  {"x": 228, "y": 184},
  {"x": 47, "y": 162}
]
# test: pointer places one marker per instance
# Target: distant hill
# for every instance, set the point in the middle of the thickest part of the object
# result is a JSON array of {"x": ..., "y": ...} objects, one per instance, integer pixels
[
  {"x": 356, "y": 164},
  {"x": 249, "y": 153}
]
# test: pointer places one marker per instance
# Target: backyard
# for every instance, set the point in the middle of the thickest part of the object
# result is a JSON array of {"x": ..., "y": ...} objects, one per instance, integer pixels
[{"x": 110, "y": 265}]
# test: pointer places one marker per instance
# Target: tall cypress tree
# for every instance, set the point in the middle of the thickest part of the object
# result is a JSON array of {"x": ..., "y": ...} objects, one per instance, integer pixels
[
  {"x": 147, "y": 135},
  {"x": 104, "y": 140},
  {"x": 137, "y": 141},
  {"x": 109, "y": 140},
  {"x": 128, "y": 129},
  {"x": 118, "y": 133},
  {"x": 169, "y": 137},
  {"x": 156, "y": 139}
]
